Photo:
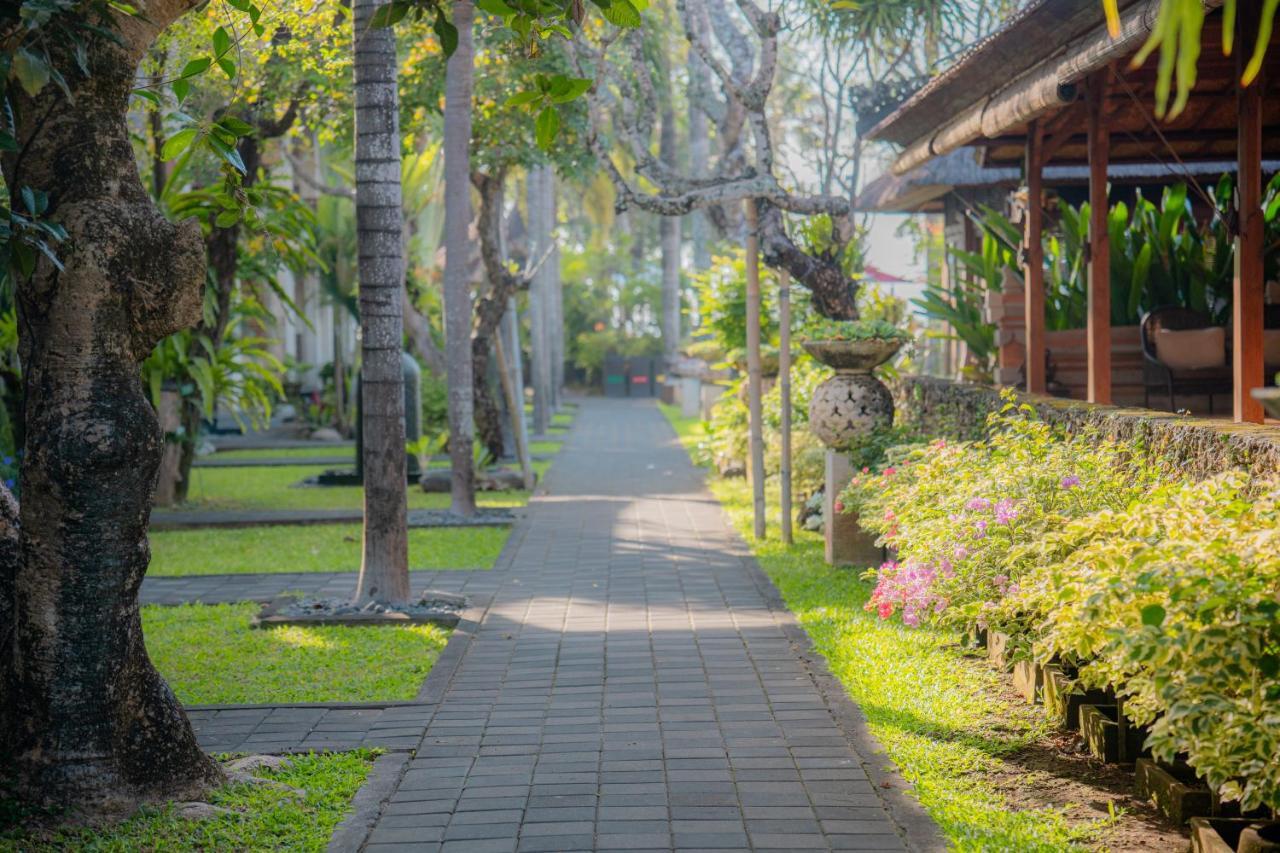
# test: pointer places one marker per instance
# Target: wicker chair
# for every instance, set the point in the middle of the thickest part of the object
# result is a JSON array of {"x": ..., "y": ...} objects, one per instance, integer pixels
[{"x": 1159, "y": 376}]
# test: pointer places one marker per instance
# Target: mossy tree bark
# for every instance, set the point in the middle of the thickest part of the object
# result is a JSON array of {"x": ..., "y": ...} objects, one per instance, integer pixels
[{"x": 85, "y": 719}]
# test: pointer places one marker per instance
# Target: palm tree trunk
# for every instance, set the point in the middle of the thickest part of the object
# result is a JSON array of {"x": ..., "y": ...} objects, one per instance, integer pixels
[
  {"x": 458, "y": 251},
  {"x": 538, "y": 192},
  {"x": 384, "y": 569},
  {"x": 670, "y": 233}
]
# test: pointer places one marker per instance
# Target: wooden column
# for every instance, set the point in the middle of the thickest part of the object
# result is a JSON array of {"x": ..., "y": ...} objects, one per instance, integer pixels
[
  {"x": 754, "y": 387},
  {"x": 1098, "y": 333},
  {"x": 1247, "y": 296},
  {"x": 784, "y": 391},
  {"x": 1033, "y": 262}
]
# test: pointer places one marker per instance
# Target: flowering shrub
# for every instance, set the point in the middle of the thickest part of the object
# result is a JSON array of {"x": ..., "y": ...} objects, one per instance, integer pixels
[
  {"x": 1165, "y": 590},
  {"x": 1175, "y": 603},
  {"x": 969, "y": 520}
]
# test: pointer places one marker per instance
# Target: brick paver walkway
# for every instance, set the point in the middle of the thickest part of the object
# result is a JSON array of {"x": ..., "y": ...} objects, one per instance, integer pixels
[{"x": 634, "y": 684}]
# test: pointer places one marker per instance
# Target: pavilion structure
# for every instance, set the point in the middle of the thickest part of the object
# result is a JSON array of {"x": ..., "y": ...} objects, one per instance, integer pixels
[{"x": 1055, "y": 91}]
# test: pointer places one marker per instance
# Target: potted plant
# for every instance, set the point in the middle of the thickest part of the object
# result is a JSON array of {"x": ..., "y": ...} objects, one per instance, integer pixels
[{"x": 853, "y": 402}]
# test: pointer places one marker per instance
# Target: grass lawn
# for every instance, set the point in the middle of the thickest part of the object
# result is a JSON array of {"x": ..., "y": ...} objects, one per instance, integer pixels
[
  {"x": 209, "y": 655},
  {"x": 275, "y": 488},
  {"x": 321, "y": 448},
  {"x": 941, "y": 721},
  {"x": 312, "y": 548},
  {"x": 262, "y": 818}
]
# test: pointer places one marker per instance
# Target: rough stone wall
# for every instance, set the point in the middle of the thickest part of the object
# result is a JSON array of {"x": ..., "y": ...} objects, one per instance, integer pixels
[{"x": 1199, "y": 447}]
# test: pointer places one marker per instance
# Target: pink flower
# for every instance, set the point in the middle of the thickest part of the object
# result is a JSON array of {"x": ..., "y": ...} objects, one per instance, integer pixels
[
  {"x": 978, "y": 505},
  {"x": 960, "y": 552},
  {"x": 1006, "y": 512},
  {"x": 980, "y": 530},
  {"x": 839, "y": 505},
  {"x": 1070, "y": 482}
]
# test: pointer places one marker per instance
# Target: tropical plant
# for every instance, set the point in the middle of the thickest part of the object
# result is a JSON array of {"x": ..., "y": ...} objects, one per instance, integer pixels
[{"x": 239, "y": 372}]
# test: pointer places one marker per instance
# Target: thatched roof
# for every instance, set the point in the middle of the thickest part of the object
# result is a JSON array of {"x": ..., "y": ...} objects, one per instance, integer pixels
[{"x": 1035, "y": 68}]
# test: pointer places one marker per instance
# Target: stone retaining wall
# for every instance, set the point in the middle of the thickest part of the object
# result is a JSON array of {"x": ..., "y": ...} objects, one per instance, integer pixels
[{"x": 1198, "y": 446}]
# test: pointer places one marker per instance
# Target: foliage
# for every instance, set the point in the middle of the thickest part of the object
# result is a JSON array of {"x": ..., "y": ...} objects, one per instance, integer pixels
[
  {"x": 722, "y": 303},
  {"x": 312, "y": 548},
  {"x": 823, "y": 329},
  {"x": 209, "y": 655},
  {"x": 969, "y": 520},
  {"x": 240, "y": 371},
  {"x": 1174, "y": 602},
  {"x": 261, "y": 817},
  {"x": 1167, "y": 591}
]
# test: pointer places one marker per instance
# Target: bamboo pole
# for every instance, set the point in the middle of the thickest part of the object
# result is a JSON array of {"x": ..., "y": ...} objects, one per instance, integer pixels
[
  {"x": 753, "y": 370},
  {"x": 784, "y": 389},
  {"x": 516, "y": 407},
  {"x": 1033, "y": 252}
]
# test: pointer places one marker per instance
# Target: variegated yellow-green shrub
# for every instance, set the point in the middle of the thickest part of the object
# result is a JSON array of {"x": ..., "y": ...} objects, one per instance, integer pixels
[{"x": 1175, "y": 603}]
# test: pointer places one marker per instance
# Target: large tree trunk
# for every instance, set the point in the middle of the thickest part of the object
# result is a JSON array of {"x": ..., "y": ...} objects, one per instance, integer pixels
[
  {"x": 557, "y": 307},
  {"x": 457, "y": 284},
  {"x": 384, "y": 570},
  {"x": 87, "y": 720},
  {"x": 489, "y": 310}
]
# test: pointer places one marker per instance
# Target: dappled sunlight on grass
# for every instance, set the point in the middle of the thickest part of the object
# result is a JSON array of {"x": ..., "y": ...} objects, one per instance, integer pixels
[
  {"x": 209, "y": 655},
  {"x": 312, "y": 548},
  {"x": 260, "y": 817}
]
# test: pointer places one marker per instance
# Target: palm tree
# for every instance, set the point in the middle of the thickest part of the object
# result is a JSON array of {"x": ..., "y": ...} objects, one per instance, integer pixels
[
  {"x": 459, "y": 82},
  {"x": 384, "y": 569}
]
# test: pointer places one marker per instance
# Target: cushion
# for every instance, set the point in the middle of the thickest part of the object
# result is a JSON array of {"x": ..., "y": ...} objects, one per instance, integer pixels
[
  {"x": 1192, "y": 349},
  {"x": 1271, "y": 346}
]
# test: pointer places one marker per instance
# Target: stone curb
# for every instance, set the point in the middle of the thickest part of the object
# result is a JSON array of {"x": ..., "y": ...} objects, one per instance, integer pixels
[
  {"x": 446, "y": 665},
  {"x": 366, "y": 806}
]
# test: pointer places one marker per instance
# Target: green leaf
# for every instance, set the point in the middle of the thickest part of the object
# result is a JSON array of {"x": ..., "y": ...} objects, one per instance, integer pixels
[
  {"x": 237, "y": 127},
  {"x": 389, "y": 15},
  {"x": 228, "y": 67},
  {"x": 495, "y": 7},
  {"x": 226, "y": 152},
  {"x": 570, "y": 89},
  {"x": 520, "y": 99},
  {"x": 227, "y": 218},
  {"x": 621, "y": 13},
  {"x": 547, "y": 127},
  {"x": 196, "y": 66},
  {"x": 447, "y": 33},
  {"x": 146, "y": 95},
  {"x": 179, "y": 142},
  {"x": 1153, "y": 615},
  {"x": 221, "y": 41},
  {"x": 31, "y": 70},
  {"x": 181, "y": 88},
  {"x": 7, "y": 141}
]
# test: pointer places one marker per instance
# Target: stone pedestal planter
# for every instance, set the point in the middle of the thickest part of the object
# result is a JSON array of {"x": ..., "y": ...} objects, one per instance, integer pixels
[
  {"x": 850, "y": 404},
  {"x": 1175, "y": 791},
  {"x": 1063, "y": 697}
]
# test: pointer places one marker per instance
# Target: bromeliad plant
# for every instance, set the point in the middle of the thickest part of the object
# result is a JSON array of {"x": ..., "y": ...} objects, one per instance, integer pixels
[{"x": 968, "y": 521}]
